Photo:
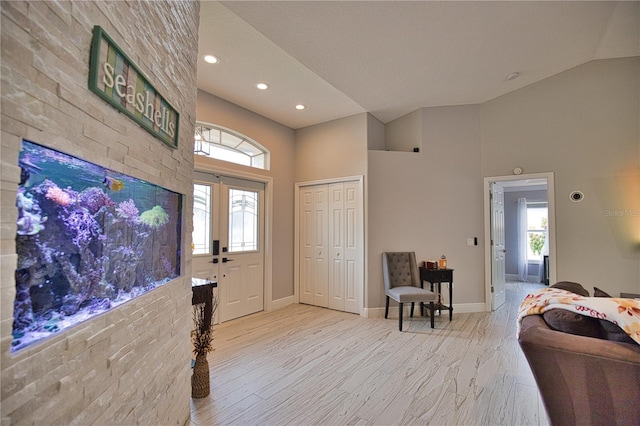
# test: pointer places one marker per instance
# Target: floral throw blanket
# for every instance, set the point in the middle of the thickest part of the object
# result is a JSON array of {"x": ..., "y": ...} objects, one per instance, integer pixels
[{"x": 625, "y": 313}]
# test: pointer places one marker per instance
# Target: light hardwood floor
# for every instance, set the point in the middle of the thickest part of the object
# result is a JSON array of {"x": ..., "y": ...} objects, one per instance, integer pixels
[{"x": 304, "y": 365}]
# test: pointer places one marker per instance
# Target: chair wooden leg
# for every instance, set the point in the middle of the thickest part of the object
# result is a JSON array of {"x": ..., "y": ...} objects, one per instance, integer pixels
[
  {"x": 400, "y": 316},
  {"x": 386, "y": 309},
  {"x": 432, "y": 310},
  {"x": 412, "y": 306}
]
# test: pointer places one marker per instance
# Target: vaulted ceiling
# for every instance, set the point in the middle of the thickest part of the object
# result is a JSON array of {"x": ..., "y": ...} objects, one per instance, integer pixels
[{"x": 389, "y": 58}]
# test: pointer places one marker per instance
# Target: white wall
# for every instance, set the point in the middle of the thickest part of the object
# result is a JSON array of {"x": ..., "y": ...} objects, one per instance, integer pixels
[
  {"x": 430, "y": 202},
  {"x": 279, "y": 140},
  {"x": 333, "y": 149},
  {"x": 583, "y": 125},
  {"x": 375, "y": 133},
  {"x": 404, "y": 133},
  {"x": 130, "y": 364}
]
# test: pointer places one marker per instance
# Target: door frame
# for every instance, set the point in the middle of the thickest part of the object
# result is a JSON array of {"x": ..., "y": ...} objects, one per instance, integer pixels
[
  {"x": 296, "y": 237},
  {"x": 206, "y": 165},
  {"x": 549, "y": 176}
]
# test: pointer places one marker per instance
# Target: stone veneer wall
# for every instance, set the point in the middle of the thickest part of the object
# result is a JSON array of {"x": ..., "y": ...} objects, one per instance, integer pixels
[{"x": 130, "y": 365}]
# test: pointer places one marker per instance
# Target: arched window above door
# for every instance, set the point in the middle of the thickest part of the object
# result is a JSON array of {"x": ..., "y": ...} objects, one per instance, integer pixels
[{"x": 226, "y": 145}]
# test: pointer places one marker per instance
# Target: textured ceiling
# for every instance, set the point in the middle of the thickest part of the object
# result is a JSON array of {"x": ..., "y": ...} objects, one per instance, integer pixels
[{"x": 390, "y": 58}]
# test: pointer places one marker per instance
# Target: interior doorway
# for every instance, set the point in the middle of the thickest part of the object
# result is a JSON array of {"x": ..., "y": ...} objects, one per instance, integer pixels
[{"x": 498, "y": 231}]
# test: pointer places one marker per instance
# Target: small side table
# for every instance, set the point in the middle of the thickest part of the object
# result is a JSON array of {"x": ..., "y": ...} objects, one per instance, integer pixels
[{"x": 438, "y": 276}]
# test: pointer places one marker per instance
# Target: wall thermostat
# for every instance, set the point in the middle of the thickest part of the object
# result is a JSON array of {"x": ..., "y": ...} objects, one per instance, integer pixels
[
  {"x": 576, "y": 196},
  {"x": 517, "y": 171}
]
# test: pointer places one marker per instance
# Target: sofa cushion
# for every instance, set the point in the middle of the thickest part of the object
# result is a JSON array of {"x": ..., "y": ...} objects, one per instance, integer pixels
[
  {"x": 614, "y": 333},
  {"x": 572, "y": 323},
  {"x": 600, "y": 293},
  {"x": 572, "y": 287},
  {"x": 610, "y": 330}
]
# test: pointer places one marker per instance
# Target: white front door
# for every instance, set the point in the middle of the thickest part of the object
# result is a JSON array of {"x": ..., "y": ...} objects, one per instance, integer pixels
[
  {"x": 497, "y": 246},
  {"x": 228, "y": 236},
  {"x": 242, "y": 259}
]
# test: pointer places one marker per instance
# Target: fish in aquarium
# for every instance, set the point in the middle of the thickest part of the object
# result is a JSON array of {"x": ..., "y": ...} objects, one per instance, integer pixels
[
  {"x": 113, "y": 184},
  {"x": 83, "y": 246}
]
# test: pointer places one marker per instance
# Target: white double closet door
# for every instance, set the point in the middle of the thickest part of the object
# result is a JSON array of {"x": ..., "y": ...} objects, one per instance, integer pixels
[{"x": 331, "y": 246}]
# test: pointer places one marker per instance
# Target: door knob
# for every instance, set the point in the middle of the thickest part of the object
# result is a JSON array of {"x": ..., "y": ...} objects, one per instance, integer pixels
[{"x": 225, "y": 260}]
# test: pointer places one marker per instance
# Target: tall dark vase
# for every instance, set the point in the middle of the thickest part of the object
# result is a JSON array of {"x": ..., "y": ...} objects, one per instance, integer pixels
[{"x": 200, "y": 377}]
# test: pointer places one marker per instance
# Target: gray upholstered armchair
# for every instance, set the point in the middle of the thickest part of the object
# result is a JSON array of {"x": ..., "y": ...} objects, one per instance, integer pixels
[{"x": 402, "y": 283}]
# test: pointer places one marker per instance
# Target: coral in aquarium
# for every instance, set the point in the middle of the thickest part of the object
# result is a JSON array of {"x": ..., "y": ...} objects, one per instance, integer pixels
[
  {"x": 84, "y": 282},
  {"x": 128, "y": 211},
  {"x": 155, "y": 218},
  {"x": 123, "y": 263},
  {"x": 82, "y": 226},
  {"x": 85, "y": 249},
  {"x": 30, "y": 219},
  {"x": 22, "y": 312},
  {"x": 94, "y": 198},
  {"x": 57, "y": 195}
]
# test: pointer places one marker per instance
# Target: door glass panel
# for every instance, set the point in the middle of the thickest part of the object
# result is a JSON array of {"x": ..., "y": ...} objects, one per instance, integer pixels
[
  {"x": 243, "y": 220},
  {"x": 201, "y": 236}
]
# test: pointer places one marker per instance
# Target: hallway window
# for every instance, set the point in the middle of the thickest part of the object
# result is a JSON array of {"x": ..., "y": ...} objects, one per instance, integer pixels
[
  {"x": 537, "y": 220},
  {"x": 226, "y": 145}
]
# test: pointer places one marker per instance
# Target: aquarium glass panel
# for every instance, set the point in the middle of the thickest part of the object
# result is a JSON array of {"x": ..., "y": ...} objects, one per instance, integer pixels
[
  {"x": 243, "y": 220},
  {"x": 201, "y": 219},
  {"x": 88, "y": 239}
]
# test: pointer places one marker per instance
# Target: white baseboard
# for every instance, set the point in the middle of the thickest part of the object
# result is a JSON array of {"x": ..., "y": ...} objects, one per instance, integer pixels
[
  {"x": 281, "y": 303},
  {"x": 468, "y": 308}
]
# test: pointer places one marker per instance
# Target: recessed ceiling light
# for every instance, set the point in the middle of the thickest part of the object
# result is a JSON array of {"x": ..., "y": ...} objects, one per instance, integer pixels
[
  {"x": 513, "y": 76},
  {"x": 300, "y": 107},
  {"x": 211, "y": 59},
  {"x": 262, "y": 86}
]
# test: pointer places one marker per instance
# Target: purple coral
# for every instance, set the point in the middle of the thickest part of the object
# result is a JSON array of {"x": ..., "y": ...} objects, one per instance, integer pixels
[
  {"x": 128, "y": 211},
  {"x": 82, "y": 226},
  {"x": 94, "y": 198}
]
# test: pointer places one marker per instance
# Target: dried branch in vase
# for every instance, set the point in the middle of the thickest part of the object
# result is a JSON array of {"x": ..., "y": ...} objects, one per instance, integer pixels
[{"x": 202, "y": 335}]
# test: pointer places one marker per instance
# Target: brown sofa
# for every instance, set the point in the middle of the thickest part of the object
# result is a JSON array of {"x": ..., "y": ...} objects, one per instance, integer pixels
[{"x": 582, "y": 380}]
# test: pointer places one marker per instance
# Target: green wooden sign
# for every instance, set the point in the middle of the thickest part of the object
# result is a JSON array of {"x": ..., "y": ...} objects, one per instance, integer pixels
[{"x": 116, "y": 79}]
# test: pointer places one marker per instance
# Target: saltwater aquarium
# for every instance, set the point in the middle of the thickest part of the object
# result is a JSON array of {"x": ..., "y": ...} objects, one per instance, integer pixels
[{"x": 88, "y": 240}]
